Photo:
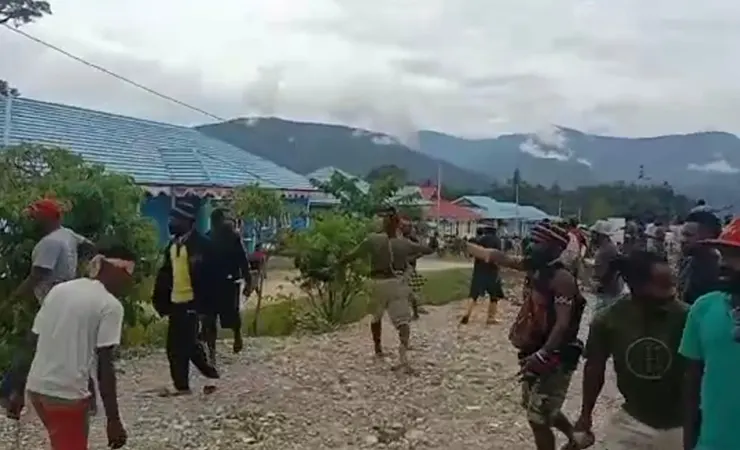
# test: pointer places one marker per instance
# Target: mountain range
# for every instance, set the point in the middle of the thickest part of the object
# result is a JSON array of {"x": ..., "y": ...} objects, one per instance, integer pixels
[{"x": 703, "y": 164}]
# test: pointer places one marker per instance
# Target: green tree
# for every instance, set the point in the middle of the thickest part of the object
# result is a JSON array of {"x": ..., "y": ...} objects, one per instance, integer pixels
[
  {"x": 21, "y": 12},
  {"x": 366, "y": 203},
  {"x": 616, "y": 199},
  {"x": 102, "y": 206},
  {"x": 6, "y": 90},
  {"x": 258, "y": 206}
]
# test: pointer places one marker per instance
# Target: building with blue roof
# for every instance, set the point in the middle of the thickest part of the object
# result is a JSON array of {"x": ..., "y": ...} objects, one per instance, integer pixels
[
  {"x": 509, "y": 213},
  {"x": 168, "y": 161}
]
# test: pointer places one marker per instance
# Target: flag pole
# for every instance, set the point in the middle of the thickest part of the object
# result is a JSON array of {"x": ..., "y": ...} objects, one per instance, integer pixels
[
  {"x": 516, "y": 200},
  {"x": 439, "y": 194}
]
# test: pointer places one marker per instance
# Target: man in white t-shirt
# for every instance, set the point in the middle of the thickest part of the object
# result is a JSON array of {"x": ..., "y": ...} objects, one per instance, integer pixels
[{"x": 76, "y": 332}]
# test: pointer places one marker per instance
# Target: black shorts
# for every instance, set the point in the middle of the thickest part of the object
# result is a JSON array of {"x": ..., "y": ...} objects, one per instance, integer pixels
[
  {"x": 224, "y": 304},
  {"x": 482, "y": 285}
]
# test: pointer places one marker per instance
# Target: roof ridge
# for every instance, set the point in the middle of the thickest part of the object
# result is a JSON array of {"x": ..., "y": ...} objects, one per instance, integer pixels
[{"x": 98, "y": 112}]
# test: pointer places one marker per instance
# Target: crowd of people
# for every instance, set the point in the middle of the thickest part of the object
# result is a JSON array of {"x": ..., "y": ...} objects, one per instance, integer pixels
[
  {"x": 675, "y": 344},
  {"x": 673, "y": 334}
]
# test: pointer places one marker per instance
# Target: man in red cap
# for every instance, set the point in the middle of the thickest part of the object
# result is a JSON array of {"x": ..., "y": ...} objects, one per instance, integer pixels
[
  {"x": 545, "y": 332},
  {"x": 55, "y": 257},
  {"x": 711, "y": 344}
]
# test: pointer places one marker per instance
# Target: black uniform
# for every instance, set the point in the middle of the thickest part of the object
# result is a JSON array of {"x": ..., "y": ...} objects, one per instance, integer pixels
[{"x": 486, "y": 279}]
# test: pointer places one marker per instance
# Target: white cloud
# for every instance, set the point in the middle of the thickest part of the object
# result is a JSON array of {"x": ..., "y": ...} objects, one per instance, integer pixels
[
  {"x": 584, "y": 161},
  {"x": 475, "y": 67},
  {"x": 718, "y": 166}
]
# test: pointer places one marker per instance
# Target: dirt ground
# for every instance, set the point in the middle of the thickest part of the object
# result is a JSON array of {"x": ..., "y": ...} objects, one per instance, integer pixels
[{"x": 328, "y": 392}]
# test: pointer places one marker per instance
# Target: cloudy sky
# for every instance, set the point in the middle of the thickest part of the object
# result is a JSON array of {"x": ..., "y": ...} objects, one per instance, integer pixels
[{"x": 471, "y": 67}]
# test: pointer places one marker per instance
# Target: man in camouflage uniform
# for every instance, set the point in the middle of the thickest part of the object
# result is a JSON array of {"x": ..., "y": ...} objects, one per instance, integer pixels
[{"x": 390, "y": 254}]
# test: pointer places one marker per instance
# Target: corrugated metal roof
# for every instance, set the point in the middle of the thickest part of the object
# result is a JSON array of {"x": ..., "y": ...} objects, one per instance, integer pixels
[
  {"x": 150, "y": 152},
  {"x": 324, "y": 174},
  {"x": 492, "y": 209}
]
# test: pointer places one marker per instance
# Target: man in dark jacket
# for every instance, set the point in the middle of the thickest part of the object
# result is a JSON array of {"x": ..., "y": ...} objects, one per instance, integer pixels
[
  {"x": 180, "y": 292},
  {"x": 229, "y": 265},
  {"x": 698, "y": 269}
]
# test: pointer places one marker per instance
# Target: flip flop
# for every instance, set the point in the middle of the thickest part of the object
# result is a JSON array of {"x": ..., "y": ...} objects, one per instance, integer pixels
[{"x": 169, "y": 393}]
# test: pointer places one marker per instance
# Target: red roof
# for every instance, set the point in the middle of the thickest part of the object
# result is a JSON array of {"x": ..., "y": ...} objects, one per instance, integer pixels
[
  {"x": 428, "y": 192},
  {"x": 449, "y": 210}
]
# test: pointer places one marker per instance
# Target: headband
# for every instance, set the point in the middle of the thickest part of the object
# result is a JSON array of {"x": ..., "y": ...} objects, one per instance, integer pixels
[{"x": 97, "y": 261}]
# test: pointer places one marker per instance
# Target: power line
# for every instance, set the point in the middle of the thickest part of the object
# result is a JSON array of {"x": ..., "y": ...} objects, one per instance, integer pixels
[
  {"x": 112, "y": 74},
  {"x": 125, "y": 80}
]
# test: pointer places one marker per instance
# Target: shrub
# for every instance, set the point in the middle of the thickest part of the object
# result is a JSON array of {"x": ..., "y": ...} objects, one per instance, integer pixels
[
  {"x": 330, "y": 287},
  {"x": 102, "y": 206}
]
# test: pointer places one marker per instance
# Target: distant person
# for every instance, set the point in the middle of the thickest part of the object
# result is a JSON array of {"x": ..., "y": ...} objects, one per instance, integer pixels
[
  {"x": 701, "y": 206},
  {"x": 415, "y": 279},
  {"x": 434, "y": 242},
  {"x": 659, "y": 239},
  {"x": 608, "y": 284},
  {"x": 486, "y": 278}
]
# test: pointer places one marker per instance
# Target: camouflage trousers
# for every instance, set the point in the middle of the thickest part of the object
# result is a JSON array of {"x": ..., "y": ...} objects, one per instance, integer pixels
[{"x": 543, "y": 397}]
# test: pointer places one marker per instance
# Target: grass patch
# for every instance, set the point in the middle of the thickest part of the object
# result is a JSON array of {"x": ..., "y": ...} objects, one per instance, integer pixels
[{"x": 279, "y": 318}]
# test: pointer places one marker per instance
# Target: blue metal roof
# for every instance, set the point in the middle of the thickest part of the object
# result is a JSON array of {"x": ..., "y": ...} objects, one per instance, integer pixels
[
  {"x": 150, "y": 152},
  {"x": 324, "y": 174},
  {"x": 492, "y": 209}
]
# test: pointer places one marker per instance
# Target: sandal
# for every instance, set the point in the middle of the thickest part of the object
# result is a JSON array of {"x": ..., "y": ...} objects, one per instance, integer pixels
[{"x": 169, "y": 393}]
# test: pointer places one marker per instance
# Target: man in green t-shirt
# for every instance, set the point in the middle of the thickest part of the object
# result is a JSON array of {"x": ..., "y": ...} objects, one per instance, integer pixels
[
  {"x": 641, "y": 332},
  {"x": 711, "y": 344}
]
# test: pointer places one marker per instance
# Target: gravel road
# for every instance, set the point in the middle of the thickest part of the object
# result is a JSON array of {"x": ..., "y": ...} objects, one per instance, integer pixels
[{"x": 328, "y": 392}]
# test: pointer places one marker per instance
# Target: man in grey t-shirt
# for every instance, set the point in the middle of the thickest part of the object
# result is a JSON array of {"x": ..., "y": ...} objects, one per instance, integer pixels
[{"x": 55, "y": 256}]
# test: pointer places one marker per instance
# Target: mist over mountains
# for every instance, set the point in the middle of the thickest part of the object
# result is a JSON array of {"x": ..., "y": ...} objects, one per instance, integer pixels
[{"x": 702, "y": 164}]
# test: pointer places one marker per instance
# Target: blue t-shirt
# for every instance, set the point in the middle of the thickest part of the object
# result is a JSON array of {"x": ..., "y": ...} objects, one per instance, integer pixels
[{"x": 708, "y": 337}]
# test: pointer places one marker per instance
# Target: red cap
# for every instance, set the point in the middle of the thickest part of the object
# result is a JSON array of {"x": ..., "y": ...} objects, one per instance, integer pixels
[
  {"x": 45, "y": 208},
  {"x": 730, "y": 236}
]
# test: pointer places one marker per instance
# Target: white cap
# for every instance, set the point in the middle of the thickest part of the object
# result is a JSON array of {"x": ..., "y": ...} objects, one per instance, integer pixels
[{"x": 602, "y": 227}]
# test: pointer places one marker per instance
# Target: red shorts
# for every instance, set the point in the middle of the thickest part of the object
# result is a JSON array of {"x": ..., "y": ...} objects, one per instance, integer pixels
[{"x": 66, "y": 421}]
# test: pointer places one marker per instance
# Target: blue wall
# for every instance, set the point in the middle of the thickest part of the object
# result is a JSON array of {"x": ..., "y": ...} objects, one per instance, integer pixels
[{"x": 158, "y": 208}]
